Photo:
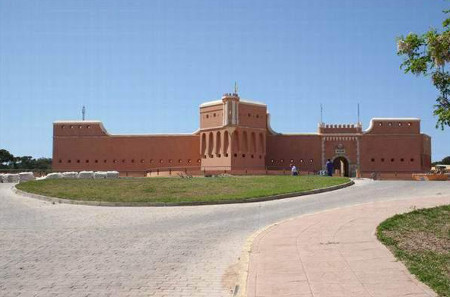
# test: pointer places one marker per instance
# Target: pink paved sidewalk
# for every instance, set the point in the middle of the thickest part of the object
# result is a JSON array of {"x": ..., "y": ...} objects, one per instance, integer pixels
[{"x": 333, "y": 253}]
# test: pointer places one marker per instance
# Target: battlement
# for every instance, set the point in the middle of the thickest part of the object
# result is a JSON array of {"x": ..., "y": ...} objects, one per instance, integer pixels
[
  {"x": 235, "y": 95},
  {"x": 339, "y": 128}
]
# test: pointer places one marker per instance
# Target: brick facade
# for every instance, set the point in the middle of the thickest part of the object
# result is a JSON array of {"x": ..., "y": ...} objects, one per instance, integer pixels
[{"x": 235, "y": 135}]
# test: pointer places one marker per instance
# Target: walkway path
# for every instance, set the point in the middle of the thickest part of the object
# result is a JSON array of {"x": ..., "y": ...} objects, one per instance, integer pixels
[
  {"x": 334, "y": 253},
  {"x": 73, "y": 250}
]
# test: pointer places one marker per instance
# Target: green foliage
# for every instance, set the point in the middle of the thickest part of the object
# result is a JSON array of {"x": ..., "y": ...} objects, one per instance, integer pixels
[
  {"x": 445, "y": 161},
  {"x": 428, "y": 54},
  {"x": 5, "y": 157},
  {"x": 9, "y": 161}
]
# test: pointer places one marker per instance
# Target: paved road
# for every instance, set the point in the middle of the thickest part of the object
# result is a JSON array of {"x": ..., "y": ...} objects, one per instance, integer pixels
[{"x": 70, "y": 250}]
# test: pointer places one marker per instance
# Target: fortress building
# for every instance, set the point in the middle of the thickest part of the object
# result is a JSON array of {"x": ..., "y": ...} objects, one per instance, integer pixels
[{"x": 235, "y": 137}]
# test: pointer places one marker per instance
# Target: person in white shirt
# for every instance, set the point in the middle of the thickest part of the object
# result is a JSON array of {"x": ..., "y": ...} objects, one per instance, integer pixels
[{"x": 294, "y": 170}]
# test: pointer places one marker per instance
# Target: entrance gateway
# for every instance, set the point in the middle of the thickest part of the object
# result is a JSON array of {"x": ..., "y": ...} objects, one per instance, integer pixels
[{"x": 341, "y": 163}]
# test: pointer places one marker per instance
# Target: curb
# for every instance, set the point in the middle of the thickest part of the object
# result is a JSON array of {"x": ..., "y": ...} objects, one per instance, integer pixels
[{"x": 168, "y": 204}]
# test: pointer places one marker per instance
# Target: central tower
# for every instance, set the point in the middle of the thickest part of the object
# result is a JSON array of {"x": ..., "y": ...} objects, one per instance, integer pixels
[{"x": 233, "y": 134}]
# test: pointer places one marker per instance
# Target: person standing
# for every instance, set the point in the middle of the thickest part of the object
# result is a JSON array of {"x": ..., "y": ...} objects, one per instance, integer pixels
[
  {"x": 330, "y": 167},
  {"x": 294, "y": 170}
]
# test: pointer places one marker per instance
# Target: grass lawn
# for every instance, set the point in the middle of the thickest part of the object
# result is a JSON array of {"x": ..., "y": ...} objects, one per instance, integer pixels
[
  {"x": 421, "y": 239},
  {"x": 160, "y": 189}
]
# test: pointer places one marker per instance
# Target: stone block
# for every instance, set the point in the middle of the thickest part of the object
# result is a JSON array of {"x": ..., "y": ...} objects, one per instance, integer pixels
[
  {"x": 112, "y": 174},
  {"x": 86, "y": 174},
  {"x": 70, "y": 175},
  {"x": 100, "y": 175},
  {"x": 12, "y": 178},
  {"x": 54, "y": 175},
  {"x": 26, "y": 176}
]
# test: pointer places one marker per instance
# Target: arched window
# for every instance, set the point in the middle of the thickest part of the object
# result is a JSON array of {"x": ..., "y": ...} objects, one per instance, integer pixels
[
  {"x": 210, "y": 143},
  {"x": 218, "y": 145},
  {"x": 203, "y": 140},
  {"x": 226, "y": 137}
]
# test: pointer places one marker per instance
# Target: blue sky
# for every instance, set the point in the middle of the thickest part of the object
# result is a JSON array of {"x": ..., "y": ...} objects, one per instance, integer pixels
[{"x": 145, "y": 66}]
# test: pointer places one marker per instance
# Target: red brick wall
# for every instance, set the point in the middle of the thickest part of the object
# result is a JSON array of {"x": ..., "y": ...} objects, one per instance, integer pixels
[
  {"x": 390, "y": 146},
  {"x": 211, "y": 116},
  {"x": 92, "y": 149},
  {"x": 391, "y": 153},
  {"x": 303, "y": 150}
]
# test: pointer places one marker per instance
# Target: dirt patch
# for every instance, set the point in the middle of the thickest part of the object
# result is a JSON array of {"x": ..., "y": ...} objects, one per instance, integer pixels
[
  {"x": 420, "y": 241},
  {"x": 231, "y": 278}
]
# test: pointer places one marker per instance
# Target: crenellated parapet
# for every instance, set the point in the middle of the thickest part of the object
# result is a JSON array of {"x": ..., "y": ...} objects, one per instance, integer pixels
[{"x": 340, "y": 128}]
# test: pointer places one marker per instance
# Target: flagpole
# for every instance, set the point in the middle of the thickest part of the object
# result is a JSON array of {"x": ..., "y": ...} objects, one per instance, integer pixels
[{"x": 321, "y": 112}]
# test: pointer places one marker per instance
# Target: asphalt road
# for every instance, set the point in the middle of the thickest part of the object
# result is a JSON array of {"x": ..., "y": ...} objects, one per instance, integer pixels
[{"x": 71, "y": 250}]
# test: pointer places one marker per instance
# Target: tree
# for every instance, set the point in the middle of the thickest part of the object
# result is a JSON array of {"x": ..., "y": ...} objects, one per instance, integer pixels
[
  {"x": 25, "y": 162},
  {"x": 43, "y": 163},
  {"x": 9, "y": 161},
  {"x": 428, "y": 54},
  {"x": 445, "y": 161},
  {"x": 5, "y": 157}
]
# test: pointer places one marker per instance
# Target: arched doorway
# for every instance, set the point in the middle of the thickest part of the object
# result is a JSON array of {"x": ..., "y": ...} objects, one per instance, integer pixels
[{"x": 341, "y": 164}]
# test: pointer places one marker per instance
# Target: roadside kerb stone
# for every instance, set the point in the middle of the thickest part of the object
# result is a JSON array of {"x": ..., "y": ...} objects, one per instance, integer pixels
[{"x": 193, "y": 203}]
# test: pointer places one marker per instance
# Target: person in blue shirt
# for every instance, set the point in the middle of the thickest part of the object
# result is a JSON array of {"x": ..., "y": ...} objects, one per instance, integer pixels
[{"x": 330, "y": 167}]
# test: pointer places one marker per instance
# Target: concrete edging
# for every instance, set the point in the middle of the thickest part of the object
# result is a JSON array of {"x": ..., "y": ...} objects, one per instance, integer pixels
[{"x": 193, "y": 203}]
